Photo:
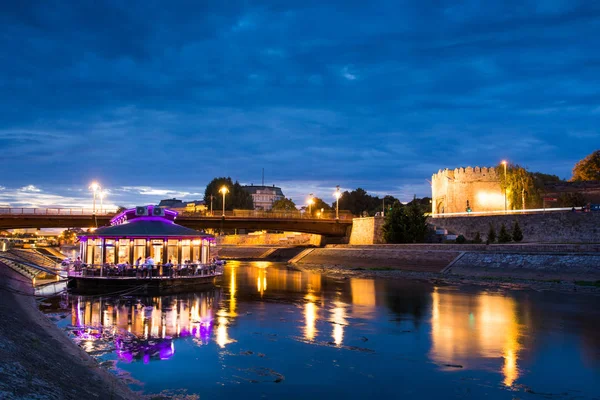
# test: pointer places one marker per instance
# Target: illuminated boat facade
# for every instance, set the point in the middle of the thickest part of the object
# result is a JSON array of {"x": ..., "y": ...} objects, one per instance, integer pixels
[
  {"x": 115, "y": 258},
  {"x": 143, "y": 232}
]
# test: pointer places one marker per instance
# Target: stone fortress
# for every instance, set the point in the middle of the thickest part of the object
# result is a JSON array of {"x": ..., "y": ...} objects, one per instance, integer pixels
[{"x": 455, "y": 190}]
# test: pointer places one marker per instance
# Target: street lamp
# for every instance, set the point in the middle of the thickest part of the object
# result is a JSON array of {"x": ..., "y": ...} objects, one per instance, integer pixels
[
  {"x": 311, "y": 201},
  {"x": 224, "y": 190},
  {"x": 337, "y": 195},
  {"x": 505, "y": 184},
  {"x": 95, "y": 187}
]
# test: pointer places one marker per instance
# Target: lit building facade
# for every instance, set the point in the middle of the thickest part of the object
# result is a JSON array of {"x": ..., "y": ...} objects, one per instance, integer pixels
[
  {"x": 264, "y": 196},
  {"x": 147, "y": 231},
  {"x": 455, "y": 190}
]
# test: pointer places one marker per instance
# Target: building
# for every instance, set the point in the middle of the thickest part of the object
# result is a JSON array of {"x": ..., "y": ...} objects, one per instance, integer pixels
[
  {"x": 143, "y": 232},
  {"x": 264, "y": 196},
  {"x": 476, "y": 189}
]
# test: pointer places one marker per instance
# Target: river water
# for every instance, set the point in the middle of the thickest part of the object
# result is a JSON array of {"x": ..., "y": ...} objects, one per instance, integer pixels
[{"x": 271, "y": 331}]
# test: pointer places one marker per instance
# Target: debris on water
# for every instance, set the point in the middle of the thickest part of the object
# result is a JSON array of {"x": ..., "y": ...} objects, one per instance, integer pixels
[
  {"x": 246, "y": 353},
  {"x": 364, "y": 339},
  {"x": 453, "y": 365},
  {"x": 260, "y": 355}
]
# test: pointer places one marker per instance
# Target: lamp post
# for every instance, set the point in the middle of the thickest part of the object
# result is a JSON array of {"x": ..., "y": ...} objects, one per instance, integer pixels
[
  {"x": 95, "y": 187},
  {"x": 224, "y": 190},
  {"x": 337, "y": 201},
  {"x": 505, "y": 184},
  {"x": 310, "y": 203},
  {"x": 211, "y": 201}
]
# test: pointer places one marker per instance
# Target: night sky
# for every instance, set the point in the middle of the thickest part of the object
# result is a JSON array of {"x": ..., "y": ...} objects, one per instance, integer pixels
[{"x": 154, "y": 99}]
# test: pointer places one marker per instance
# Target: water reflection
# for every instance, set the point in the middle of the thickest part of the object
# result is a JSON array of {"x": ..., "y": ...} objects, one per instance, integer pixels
[
  {"x": 338, "y": 320},
  {"x": 265, "y": 315},
  {"x": 143, "y": 328},
  {"x": 465, "y": 329}
]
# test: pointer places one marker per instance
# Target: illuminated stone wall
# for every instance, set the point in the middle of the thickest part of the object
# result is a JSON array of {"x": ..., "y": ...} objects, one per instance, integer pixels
[
  {"x": 552, "y": 227},
  {"x": 452, "y": 188},
  {"x": 277, "y": 239},
  {"x": 367, "y": 230}
]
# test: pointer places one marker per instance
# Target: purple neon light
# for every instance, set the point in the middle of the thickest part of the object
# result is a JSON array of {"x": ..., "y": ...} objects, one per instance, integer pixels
[{"x": 129, "y": 214}]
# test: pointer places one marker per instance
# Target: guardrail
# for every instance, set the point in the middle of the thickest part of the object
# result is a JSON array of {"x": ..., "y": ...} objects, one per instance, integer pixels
[
  {"x": 54, "y": 211},
  {"x": 329, "y": 215},
  {"x": 502, "y": 212}
]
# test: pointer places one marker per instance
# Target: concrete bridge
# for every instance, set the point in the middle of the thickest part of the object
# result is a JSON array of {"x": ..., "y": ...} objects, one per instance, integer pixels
[{"x": 15, "y": 218}]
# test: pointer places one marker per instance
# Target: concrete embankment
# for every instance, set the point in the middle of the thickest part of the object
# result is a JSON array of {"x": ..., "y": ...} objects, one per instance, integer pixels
[
  {"x": 574, "y": 262},
  {"x": 37, "y": 359}
]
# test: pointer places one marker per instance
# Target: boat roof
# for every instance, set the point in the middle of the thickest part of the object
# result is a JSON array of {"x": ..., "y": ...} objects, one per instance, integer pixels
[{"x": 147, "y": 227}]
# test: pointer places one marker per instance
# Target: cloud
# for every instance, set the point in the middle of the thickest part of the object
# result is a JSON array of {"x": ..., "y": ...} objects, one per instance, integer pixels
[{"x": 170, "y": 98}]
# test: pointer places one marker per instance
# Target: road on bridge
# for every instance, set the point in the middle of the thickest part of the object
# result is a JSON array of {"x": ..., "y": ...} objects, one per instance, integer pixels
[{"x": 77, "y": 219}]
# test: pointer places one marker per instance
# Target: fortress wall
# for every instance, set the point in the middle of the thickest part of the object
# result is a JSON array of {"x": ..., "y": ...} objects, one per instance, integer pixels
[
  {"x": 555, "y": 227},
  {"x": 452, "y": 188}
]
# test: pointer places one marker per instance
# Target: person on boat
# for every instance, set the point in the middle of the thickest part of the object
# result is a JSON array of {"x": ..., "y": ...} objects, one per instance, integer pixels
[
  {"x": 149, "y": 266},
  {"x": 168, "y": 268},
  {"x": 77, "y": 264}
]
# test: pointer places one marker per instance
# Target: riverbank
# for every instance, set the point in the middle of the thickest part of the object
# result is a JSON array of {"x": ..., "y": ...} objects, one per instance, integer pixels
[
  {"x": 563, "y": 267},
  {"x": 37, "y": 359}
]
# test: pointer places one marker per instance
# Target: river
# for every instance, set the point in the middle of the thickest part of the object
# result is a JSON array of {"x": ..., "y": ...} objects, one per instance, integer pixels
[{"x": 271, "y": 331}]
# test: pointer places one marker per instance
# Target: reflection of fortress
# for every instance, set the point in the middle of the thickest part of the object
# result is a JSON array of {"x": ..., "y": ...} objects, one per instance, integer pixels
[{"x": 464, "y": 328}]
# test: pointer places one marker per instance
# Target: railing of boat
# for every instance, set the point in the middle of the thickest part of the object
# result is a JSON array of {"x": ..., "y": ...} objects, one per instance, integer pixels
[{"x": 158, "y": 272}]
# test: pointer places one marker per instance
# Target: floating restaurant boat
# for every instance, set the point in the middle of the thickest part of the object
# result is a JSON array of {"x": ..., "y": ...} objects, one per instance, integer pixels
[{"x": 143, "y": 252}]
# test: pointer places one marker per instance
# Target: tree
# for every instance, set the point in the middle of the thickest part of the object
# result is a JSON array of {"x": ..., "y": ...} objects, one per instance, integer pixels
[
  {"x": 284, "y": 205},
  {"x": 68, "y": 236},
  {"x": 504, "y": 236},
  {"x": 517, "y": 234},
  {"x": 491, "y": 237},
  {"x": 519, "y": 186},
  {"x": 405, "y": 224},
  {"x": 318, "y": 205},
  {"x": 477, "y": 238},
  {"x": 236, "y": 199},
  {"x": 588, "y": 169}
]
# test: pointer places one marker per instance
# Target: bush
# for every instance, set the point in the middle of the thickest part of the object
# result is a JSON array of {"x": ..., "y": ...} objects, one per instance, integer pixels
[
  {"x": 504, "y": 236},
  {"x": 491, "y": 236},
  {"x": 461, "y": 239},
  {"x": 517, "y": 234},
  {"x": 477, "y": 238}
]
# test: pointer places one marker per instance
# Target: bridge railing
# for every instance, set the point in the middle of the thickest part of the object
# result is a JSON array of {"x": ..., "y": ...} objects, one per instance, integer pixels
[
  {"x": 55, "y": 211},
  {"x": 502, "y": 212},
  {"x": 325, "y": 215},
  {"x": 343, "y": 215}
]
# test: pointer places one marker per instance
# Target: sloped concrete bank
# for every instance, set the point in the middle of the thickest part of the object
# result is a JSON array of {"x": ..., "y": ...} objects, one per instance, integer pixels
[
  {"x": 37, "y": 360},
  {"x": 542, "y": 266},
  {"x": 569, "y": 263}
]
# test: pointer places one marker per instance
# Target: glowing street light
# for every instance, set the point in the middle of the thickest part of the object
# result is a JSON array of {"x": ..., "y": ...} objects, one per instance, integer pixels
[
  {"x": 311, "y": 201},
  {"x": 505, "y": 183},
  {"x": 224, "y": 190},
  {"x": 337, "y": 195},
  {"x": 95, "y": 187}
]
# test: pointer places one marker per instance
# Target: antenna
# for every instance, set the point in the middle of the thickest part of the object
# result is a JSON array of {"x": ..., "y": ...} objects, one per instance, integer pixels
[{"x": 263, "y": 177}]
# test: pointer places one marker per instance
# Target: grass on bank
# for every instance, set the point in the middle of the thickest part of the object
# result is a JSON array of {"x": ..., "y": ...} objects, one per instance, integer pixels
[{"x": 588, "y": 283}]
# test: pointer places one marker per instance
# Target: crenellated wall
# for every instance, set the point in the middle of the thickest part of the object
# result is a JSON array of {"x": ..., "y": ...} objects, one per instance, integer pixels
[{"x": 451, "y": 189}]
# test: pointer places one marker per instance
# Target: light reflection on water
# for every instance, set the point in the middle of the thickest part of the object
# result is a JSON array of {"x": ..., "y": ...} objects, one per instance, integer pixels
[{"x": 437, "y": 341}]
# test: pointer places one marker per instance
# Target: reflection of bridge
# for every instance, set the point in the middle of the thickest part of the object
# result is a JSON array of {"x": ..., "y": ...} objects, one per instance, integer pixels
[{"x": 327, "y": 225}]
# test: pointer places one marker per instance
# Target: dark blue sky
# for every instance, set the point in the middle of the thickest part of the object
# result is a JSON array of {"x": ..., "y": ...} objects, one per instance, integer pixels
[{"x": 154, "y": 99}]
